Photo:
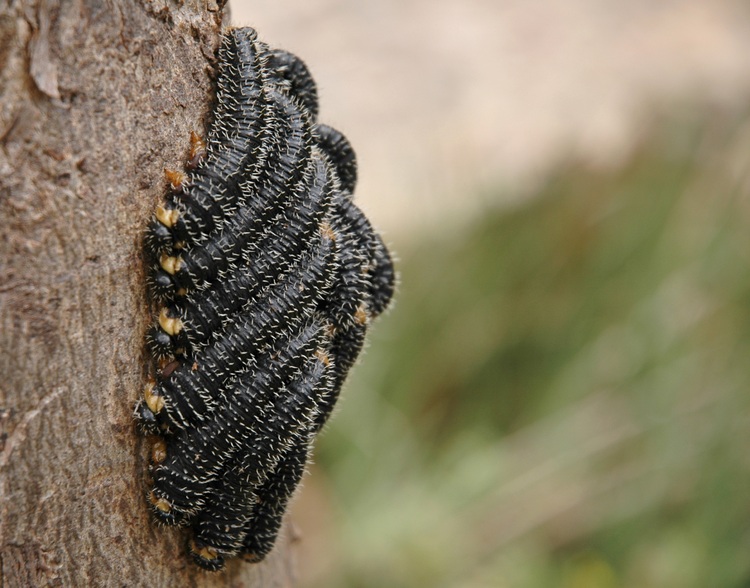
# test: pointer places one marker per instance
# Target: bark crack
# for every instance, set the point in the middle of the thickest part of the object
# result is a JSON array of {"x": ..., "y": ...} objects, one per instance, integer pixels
[{"x": 18, "y": 436}]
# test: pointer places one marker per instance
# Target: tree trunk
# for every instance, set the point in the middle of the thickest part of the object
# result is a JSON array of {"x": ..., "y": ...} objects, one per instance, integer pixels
[{"x": 96, "y": 98}]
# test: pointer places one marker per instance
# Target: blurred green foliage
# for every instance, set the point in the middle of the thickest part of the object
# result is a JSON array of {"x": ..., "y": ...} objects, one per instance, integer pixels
[{"x": 561, "y": 394}]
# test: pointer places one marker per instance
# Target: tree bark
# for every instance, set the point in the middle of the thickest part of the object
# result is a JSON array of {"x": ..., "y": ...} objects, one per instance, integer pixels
[{"x": 96, "y": 98}]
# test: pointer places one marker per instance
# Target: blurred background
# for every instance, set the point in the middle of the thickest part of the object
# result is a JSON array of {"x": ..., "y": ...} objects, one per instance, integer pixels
[{"x": 560, "y": 396}]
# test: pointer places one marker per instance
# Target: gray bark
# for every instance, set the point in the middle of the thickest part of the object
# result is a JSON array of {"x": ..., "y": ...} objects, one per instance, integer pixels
[{"x": 96, "y": 98}]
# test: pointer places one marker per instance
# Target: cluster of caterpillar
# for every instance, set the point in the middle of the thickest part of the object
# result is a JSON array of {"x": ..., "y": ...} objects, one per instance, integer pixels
[{"x": 267, "y": 276}]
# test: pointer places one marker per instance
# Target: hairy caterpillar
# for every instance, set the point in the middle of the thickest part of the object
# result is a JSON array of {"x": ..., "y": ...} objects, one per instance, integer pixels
[{"x": 267, "y": 275}]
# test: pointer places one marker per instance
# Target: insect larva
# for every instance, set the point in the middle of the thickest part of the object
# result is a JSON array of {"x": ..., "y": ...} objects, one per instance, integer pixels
[
  {"x": 225, "y": 525},
  {"x": 379, "y": 269},
  {"x": 345, "y": 347},
  {"x": 210, "y": 191},
  {"x": 287, "y": 415},
  {"x": 338, "y": 149},
  {"x": 268, "y": 275},
  {"x": 285, "y": 171},
  {"x": 208, "y": 310},
  {"x": 382, "y": 277},
  {"x": 239, "y": 85},
  {"x": 197, "y": 317},
  {"x": 350, "y": 287},
  {"x": 197, "y": 456},
  {"x": 273, "y": 497},
  {"x": 191, "y": 390},
  {"x": 282, "y": 179},
  {"x": 290, "y": 68}
]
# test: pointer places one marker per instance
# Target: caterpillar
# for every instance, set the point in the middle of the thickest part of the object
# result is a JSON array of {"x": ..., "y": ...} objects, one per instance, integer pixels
[{"x": 265, "y": 276}]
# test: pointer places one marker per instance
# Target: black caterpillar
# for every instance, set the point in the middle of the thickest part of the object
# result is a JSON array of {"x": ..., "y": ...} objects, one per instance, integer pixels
[{"x": 267, "y": 275}]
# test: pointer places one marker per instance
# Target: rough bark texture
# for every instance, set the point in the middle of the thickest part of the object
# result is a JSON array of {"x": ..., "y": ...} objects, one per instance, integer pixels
[{"x": 96, "y": 98}]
